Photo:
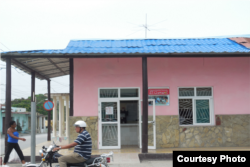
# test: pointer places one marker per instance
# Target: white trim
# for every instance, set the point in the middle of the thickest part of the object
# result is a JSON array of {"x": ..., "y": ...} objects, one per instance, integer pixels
[
  {"x": 118, "y": 100},
  {"x": 195, "y": 95},
  {"x": 109, "y": 122},
  {"x": 140, "y": 123},
  {"x": 119, "y": 93}
]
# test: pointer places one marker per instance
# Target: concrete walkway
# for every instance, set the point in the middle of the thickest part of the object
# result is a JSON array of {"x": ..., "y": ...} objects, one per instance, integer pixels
[
  {"x": 129, "y": 154},
  {"x": 143, "y": 164},
  {"x": 40, "y": 138}
]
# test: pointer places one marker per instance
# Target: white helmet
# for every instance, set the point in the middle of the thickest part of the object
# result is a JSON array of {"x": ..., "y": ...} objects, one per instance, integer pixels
[{"x": 80, "y": 124}]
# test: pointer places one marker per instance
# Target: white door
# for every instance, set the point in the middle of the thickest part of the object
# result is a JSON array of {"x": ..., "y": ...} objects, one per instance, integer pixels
[
  {"x": 151, "y": 124},
  {"x": 109, "y": 124}
]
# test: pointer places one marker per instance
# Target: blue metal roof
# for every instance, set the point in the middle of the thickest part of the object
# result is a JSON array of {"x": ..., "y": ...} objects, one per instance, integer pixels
[{"x": 133, "y": 46}]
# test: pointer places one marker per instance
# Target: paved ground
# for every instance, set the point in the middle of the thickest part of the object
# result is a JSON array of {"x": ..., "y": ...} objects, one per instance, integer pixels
[
  {"x": 40, "y": 138},
  {"x": 143, "y": 164},
  {"x": 128, "y": 156}
]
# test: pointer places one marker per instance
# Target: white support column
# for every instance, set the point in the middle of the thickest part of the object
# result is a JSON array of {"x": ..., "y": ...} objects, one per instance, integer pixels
[
  {"x": 45, "y": 118},
  {"x": 54, "y": 116},
  {"x": 60, "y": 116},
  {"x": 63, "y": 117},
  {"x": 67, "y": 116},
  {"x": 37, "y": 123},
  {"x": 40, "y": 124},
  {"x": 44, "y": 129}
]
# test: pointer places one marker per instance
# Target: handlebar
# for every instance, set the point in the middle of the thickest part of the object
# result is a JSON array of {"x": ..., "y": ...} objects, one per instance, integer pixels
[
  {"x": 110, "y": 154},
  {"x": 55, "y": 144}
]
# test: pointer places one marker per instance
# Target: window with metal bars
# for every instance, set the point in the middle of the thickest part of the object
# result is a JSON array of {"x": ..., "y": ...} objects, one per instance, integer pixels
[
  {"x": 123, "y": 93},
  {"x": 108, "y": 93},
  {"x": 196, "y": 106}
]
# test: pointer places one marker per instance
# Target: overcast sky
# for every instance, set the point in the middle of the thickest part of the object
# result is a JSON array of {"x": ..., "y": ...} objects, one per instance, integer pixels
[{"x": 48, "y": 24}]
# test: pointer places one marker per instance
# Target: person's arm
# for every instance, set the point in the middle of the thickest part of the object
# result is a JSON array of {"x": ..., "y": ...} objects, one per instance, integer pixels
[
  {"x": 69, "y": 145},
  {"x": 65, "y": 146},
  {"x": 13, "y": 136}
]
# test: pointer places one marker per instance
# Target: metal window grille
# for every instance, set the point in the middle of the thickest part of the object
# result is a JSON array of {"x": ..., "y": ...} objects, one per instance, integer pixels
[
  {"x": 109, "y": 135},
  {"x": 129, "y": 93},
  {"x": 204, "y": 91},
  {"x": 186, "y": 91},
  {"x": 108, "y": 93},
  {"x": 202, "y": 111},
  {"x": 186, "y": 111}
]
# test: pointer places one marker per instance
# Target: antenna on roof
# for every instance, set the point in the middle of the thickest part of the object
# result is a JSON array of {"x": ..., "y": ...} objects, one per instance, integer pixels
[{"x": 145, "y": 26}]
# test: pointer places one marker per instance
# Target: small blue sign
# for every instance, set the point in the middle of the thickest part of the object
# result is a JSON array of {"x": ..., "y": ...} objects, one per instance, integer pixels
[{"x": 48, "y": 105}]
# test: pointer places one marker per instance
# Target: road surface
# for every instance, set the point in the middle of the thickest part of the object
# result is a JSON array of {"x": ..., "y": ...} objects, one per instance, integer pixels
[{"x": 40, "y": 138}]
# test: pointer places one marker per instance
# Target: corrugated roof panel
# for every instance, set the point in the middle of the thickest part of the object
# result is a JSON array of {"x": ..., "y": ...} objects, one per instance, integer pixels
[
  {"x": 86, "y": 44},
  {"x": 123, "y": 43},
  {"x": 139, "y": 44},
  {"x": 133, "y": 44},
  {"x": 130, "y": 44},
  {"x": 109, "y": 44},
  {"x": 207, "y": 45}
]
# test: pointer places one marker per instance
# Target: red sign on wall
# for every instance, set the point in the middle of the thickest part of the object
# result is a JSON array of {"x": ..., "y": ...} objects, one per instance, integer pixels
[{"x": 158, "y": 91}]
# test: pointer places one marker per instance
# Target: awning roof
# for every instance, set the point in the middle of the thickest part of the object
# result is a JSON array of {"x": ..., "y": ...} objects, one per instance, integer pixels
[
  {"x": 45, "y": 68},
  {"x": 54, "y": 63},
  {"x": 57, "y": 94}
]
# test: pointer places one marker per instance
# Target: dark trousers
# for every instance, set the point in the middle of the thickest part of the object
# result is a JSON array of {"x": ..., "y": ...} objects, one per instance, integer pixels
[{"x": 10, "y": 146}]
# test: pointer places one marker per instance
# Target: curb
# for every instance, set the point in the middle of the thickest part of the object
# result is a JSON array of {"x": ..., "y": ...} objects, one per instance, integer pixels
[{"x": 155, "y": 156}]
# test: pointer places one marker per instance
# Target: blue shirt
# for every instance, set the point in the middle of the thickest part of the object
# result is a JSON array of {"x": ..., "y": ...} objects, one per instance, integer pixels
[
  {"x": 84, "y": 146},
  {"x": 12, "y": 140}
]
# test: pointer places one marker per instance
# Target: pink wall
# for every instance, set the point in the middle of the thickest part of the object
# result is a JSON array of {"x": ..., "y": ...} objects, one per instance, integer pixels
[{"x": 229, "y": 78}]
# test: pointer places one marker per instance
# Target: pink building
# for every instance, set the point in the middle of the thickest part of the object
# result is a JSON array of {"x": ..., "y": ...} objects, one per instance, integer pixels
[
  {"x": 220, "y": 86},
  {"x": 198, "y": 91}
]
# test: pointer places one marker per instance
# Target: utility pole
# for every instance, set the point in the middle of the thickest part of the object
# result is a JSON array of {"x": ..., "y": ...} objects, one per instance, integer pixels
[{"x": 33, "y": 119}]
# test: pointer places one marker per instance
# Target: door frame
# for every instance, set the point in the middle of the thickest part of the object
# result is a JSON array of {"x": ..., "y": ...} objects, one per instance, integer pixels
[
  {"x": 153, "y": 122},
  {"x": 117, "y": 99},
  {"x": 117, "y": 123}
]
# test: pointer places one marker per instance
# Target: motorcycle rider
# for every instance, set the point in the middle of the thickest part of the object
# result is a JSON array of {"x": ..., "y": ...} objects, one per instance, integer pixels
[{"x": 82, "y": 144}]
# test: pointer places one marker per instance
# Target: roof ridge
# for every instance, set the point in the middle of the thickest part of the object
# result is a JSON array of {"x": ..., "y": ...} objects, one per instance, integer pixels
[{"x": 142, "y": 39}]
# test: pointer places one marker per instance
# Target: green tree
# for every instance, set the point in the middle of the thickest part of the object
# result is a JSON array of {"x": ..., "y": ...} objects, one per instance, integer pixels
[{"x": 26, "y": 103}]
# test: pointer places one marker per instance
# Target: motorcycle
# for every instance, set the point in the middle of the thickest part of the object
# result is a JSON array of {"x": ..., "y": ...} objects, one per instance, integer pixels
[{"x": 49, "y": 157}]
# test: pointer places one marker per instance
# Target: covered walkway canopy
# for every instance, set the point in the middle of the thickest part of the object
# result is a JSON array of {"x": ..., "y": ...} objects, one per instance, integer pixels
[{"x": 47, "y": 64}]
